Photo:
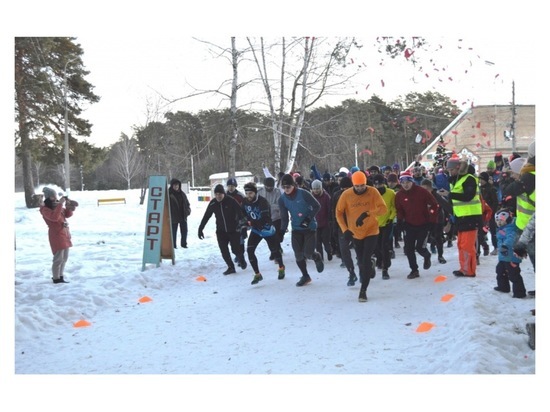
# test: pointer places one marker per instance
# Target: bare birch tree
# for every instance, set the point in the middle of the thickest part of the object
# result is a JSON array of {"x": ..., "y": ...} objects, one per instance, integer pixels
[
  {"x": 233, "y": 110},
  {"x": 127, "y": 160},
  {"x": 317, "y": 74}
]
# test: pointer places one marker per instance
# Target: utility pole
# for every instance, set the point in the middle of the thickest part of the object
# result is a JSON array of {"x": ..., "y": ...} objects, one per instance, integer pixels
[
  {"x": 513, "y": 124},
  {"x": 67, "y": 164}
]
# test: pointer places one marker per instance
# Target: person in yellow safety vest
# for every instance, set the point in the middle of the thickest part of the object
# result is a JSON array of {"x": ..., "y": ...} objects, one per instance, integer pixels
[
  {"x": 524, "y": 190},
  {"x": 467, "y": 209}
]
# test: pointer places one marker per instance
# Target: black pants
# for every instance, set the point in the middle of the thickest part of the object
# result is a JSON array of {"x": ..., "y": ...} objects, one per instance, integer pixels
[
  {"x": 384, "y": 246},
  {"x": 224, "y": 241},
  {"x": 303, "y": 245},
  {"x": 323, "y": 240},
  {"x": 345, "y": 252},
  {"x": 436, "y": 236},
  {"x": 183, "y": 233},
  {"x": 274, "y": 246},
  {"x": 508, "y": 272},
  {"x": 415, "y": 238},
  {"x": 365, "y": 249}
]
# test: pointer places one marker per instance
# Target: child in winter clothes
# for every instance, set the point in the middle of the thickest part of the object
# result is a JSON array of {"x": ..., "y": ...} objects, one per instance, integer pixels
[{"x": 507, "y": 268}]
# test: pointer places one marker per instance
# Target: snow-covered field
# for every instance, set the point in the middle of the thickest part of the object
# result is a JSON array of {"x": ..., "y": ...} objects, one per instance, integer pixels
[{"x": 315, "y": 345}]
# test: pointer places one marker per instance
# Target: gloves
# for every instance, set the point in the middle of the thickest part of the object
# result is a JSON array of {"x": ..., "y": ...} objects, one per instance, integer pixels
[
  {"x": 359, "y": 221},
  {"x": 520, "y": 250},
  {"x": 244, "y": 233},
  {"x": 201, "y": 235},
  {"x": 305, "y": 223},
  {"x": 348, "y": 235},
  {"x": 504, "y": 250}
]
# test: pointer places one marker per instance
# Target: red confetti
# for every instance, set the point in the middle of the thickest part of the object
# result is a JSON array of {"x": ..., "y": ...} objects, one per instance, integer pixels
[
  {"x": 427, "y": 133},
  {"x": 408, "y": 53},
  {"x": 484, "y": 134},
  {"x": 410, "y": 119},
  {"x": 382, "y": 81},
  {"x": 497, "y": 76},
  {"x": 367, "y": 86},
  {"x": 371, "y": 130},
  {"x": 478, "y": 144},
  {"x": 478, "y": 125},
  {"x": 454, "y": 132},
  {"x": 488, "y": 143},
  {"x": 450, "y": 78}
]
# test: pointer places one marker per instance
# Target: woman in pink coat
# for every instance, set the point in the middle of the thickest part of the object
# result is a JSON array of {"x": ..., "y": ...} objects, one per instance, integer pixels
[{"x": 55, "y": 213}]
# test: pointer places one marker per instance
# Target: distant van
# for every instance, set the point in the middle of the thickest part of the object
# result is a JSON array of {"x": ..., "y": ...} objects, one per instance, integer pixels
[{"x": 242, "y": 178}]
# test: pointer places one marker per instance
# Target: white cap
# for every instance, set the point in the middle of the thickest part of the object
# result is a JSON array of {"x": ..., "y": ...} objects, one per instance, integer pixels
[
  {"x": 517, "y": 164},
  {"x": 531, "y": 149}
]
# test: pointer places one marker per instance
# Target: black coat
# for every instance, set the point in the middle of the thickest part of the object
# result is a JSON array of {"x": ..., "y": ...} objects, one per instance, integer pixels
[
  {"x": 179, "y": 206},
  {"x": 228, "y": 215}
]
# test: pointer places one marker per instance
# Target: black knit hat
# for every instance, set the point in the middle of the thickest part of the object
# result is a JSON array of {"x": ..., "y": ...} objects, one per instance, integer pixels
[
  {"x": 219, "y": 189},
  {"x": 484, "y": 176},
  {"x": 378, "y": 179},
  {"x": 250, "y": 187},
  {"x": 392, "y": 177},
  {"x": 269, "y": 182},
  {"x": 345, "y": 183},
  {"x": 287, "y": 180}
]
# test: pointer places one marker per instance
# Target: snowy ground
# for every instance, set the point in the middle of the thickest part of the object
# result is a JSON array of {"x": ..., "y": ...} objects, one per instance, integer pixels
[{"x": 314, "y": 342}]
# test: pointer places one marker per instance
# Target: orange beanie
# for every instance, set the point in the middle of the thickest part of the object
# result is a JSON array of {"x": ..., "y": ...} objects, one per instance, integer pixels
[{"x": 359, "y": 178}]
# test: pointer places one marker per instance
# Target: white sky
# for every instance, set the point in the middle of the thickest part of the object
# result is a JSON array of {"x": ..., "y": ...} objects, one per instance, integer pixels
[{"x": 134, "y": 54}]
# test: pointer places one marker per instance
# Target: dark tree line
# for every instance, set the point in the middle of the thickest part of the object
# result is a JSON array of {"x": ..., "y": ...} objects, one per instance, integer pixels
[{"x": 194, "y": 146}]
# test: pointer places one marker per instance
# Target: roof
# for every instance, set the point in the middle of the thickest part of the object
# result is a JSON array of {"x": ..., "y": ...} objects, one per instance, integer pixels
[{"x": 481, "y": 129}]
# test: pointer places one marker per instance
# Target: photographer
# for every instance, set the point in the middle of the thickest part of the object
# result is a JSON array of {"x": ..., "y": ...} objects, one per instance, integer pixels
[{"x": 55, "y": 213}]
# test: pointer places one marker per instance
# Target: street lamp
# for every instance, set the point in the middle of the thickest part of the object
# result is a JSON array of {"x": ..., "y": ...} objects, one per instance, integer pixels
[{"x": 67, "y": 164}]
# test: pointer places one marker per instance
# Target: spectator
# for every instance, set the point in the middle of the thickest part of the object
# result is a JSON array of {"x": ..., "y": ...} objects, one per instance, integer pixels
[
  {"x": 508, "y": 266},
  {"x": 179, "y": 210},
  {"x": 55, "y": 213},
  {"x": 467, "y": 210},
  {"x": 490, "y": 195}
]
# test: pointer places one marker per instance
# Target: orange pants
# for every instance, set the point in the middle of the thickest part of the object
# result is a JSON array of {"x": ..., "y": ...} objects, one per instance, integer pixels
[{"x": 467, "y": 251}]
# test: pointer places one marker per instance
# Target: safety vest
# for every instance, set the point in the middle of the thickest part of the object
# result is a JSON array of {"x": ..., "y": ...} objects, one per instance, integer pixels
[
  {"x": 525, "y": 208},
  {"x": 470, "y": 208}
]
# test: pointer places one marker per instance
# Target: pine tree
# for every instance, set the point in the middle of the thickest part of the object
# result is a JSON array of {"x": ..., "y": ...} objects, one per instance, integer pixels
[
  {"x": 49, "y": 77},
  {"x": 441, "y": 155}
]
